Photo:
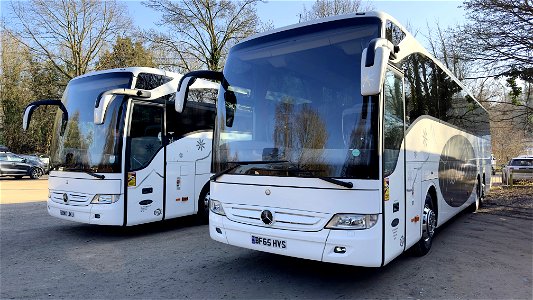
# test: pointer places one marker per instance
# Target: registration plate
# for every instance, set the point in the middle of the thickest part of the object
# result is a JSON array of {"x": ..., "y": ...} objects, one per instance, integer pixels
[
  {"x": 269, "y": 242},
  {"x": 66, "y": 213}
]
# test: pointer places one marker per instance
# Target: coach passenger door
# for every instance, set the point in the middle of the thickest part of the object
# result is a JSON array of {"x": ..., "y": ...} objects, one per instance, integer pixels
[
  {"x": 393, "y": 164},
  {"x": 145, "y": 163}
]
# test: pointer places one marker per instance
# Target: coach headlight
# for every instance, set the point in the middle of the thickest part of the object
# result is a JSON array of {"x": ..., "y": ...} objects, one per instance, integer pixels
[
  {"x": 104, "y": 199},
  {"x": 352, "y": 221},
  {"x": 216, "y": 207}
]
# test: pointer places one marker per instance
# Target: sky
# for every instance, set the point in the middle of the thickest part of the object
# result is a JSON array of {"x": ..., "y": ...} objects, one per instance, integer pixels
[
  {"x": 416, "y": 15},
  {"x": 286, "y": 12}
]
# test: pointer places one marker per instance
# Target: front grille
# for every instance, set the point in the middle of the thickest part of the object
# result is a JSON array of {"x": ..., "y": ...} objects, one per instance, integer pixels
[
  {"x": 76, "y": 199},
  {"x": 283, "y": 218}
]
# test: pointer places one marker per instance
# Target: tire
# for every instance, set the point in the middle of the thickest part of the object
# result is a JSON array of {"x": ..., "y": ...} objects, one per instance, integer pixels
[
  {"x": 480, "y": 196},
  {"x": 35, "y": 173},
  {"x": 203, "y": 205},
  {"x": 429, "y": 223}
]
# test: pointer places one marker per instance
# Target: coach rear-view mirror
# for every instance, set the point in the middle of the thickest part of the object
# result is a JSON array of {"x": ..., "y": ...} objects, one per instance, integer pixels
[
  {"x": 28, "y": 111},
  {"x": 373, "y": 65}
]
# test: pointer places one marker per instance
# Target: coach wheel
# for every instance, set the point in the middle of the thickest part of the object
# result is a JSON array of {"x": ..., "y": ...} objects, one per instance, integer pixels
[
  {"x": 480, "y": 196},
  {"x": 429, "y": 223},
  {"x": 203, "y": 205}
]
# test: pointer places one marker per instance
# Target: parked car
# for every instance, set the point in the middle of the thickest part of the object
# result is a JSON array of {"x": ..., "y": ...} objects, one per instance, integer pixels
[
  {"x": 17, "y": 166},
  {"x": 46, "y": 161},
  {"x": 520, "y": 168}
]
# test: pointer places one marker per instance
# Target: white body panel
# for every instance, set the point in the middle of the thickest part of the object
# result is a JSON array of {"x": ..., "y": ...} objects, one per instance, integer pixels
[
  {"x": 193, "y": 169},
  {"x": 80, "y": 189},
  {"x": 188, "y": 159},
  {"x": 426, "y": 141},
  {"x": 301, "y": 208},
  {"x": 145, "y": 199}
]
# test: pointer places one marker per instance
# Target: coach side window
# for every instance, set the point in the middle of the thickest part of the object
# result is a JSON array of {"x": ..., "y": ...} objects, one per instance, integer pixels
[
  {"x": 393, "y": 33},
  {"x": 393, "y": 121},
  {"x": 198, "y": 115},
  {"x": 420, "y": 87}
]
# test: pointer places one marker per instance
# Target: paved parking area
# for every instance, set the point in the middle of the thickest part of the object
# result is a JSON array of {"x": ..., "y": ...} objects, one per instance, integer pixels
[
  {"x": 23, "y": 190},
  {"x": 487, "y": 255}
]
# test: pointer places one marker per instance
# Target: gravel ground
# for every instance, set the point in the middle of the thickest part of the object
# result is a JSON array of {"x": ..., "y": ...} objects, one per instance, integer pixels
[{"x": 516, "y": 202}]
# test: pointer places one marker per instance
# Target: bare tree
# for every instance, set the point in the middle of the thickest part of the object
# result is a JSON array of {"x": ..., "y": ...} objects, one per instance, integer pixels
[
  {"x": 326, "y": 8},
  {"x": 69, "y": 34},
  {"x": 443, "y": 45},
  {"x": 498, "y": 33},
  {"x": 203, "y": 30},
  {"x": 24, "y": 80}
]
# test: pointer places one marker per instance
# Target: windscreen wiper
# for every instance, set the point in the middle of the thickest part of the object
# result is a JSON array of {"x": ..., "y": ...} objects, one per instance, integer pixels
[
  {"x": 99, "y": 176},
  {"x": 243, "y": 163},
  {"x": 328, "y": 179},
  {"x": 337, "y": 182}
]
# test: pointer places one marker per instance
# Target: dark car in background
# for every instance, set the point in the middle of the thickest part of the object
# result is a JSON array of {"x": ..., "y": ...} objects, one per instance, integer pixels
[
  {"x": 18, "y": 166},
  {"x": 45, "y": 159}
]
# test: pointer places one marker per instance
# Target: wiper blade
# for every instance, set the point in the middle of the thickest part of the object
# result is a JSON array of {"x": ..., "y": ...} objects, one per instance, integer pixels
[
  {"x": 99, "y": 176},
  {"x": 337, "y": 182},
  {"x": 243, "y": 163}
]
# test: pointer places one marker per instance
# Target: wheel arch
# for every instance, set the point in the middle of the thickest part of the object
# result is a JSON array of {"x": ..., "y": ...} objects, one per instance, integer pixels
[{"x": 432, "y": 192}]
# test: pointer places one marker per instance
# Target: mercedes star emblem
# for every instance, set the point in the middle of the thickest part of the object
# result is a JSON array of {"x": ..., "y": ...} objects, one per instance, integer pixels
[
  {"x": 267, "y": 192},
  {"x": 267, "y": 217}
]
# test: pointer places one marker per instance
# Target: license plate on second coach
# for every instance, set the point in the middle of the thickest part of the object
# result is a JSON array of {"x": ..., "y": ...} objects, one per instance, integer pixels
[
  {"x": 269, "y": 242},
  {"x": 66, "y": 213}
]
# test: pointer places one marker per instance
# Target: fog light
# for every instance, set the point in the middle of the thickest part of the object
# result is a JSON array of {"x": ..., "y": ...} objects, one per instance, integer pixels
[
  {"x": 339, "y": 249},
  {"x": 218, "y": 230}
]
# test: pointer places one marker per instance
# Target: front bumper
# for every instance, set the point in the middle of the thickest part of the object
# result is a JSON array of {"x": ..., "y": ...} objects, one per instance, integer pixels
[
  {"x": 101, "y": 214},
  {"x": 363, "y": 247}
]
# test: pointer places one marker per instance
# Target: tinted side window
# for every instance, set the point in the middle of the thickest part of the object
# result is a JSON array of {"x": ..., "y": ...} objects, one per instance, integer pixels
[
  {"x": 198, "y": 114},
  {"x": 430, "y": 91},
  {"x": 459, "y": 109},
  {"x": 148, "y": 81},
  {"x": 420, "y": 87},
  {"x": 393, "y": 33}
]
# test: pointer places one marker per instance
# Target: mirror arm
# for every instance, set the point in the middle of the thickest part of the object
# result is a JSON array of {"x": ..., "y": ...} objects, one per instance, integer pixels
[
  {"x": 374, "y": 44},
  {"x": 103, "y": 100},
  {"x": 204, "y": 74},
  {"x": 28, "y": 111},
  {"x": 188, "y": 79}
]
